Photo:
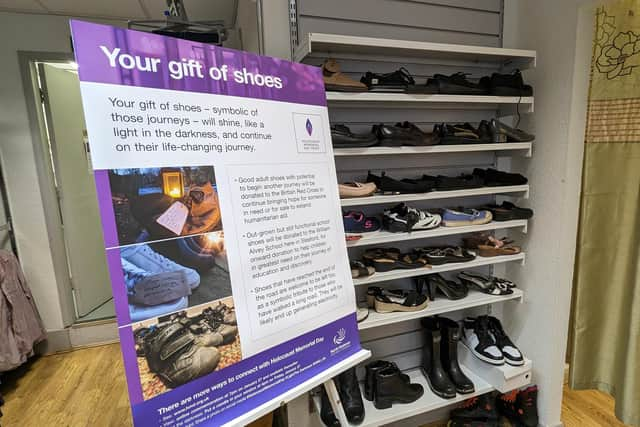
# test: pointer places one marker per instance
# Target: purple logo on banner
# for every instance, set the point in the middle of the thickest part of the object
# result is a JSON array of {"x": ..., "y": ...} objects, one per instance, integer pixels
[{"x": 309, "y": 127}]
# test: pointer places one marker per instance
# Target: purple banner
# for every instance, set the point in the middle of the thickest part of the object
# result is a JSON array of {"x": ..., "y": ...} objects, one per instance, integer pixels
[{"x": 133, "y": 58}]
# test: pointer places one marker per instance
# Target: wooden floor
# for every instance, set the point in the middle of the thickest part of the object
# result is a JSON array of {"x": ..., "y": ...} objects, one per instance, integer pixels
[{"x": 87, "y": 388}]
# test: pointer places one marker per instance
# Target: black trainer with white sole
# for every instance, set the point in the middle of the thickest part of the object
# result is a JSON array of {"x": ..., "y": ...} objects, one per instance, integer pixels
[
  {"x": 476, "y": 336},
  {"x": 512, "y": 355}
]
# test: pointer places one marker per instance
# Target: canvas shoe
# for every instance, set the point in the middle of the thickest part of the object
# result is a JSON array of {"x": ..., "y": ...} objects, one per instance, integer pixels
[
  {"x": 476, "y": 336},
  {"x": 512, "y": 355},
  {"x": 147, "y": 259}
]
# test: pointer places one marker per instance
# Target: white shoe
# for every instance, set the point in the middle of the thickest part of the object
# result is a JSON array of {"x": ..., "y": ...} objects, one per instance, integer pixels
[{"x": 142, "y": 256}]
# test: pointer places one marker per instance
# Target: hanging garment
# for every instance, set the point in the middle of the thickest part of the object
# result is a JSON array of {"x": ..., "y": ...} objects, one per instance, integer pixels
[
  {"x": 605, "y": 344},
  {"x": 20, "y": 324}
]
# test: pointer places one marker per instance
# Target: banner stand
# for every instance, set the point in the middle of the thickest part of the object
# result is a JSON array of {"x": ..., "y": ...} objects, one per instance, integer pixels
[{"x": 324, "y": 379}]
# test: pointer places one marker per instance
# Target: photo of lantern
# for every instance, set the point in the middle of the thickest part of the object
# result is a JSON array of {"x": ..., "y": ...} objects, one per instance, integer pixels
[{"x": 172, "y": 183}]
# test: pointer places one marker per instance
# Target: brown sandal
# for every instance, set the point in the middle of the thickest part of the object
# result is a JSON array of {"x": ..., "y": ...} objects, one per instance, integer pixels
[
  {"x": 336, "y": 80},
  {"x": 495, "y": 247}
]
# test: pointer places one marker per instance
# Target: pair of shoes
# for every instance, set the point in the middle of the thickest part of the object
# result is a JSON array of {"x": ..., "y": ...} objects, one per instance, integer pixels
[
  {"x": 464, "y": 217},
  {"x": 350, "y": 398},
  {"x": 395, "y": 300},
  {"x": 385, "y": 385},
  {"x": 486, "y": 284},
  {"x": 485, "y": 337},
  {"x": 495, "y": 178},
  {"x": 388, "y": 259},
  {"x": 497, "y": 85},
  {"x": 488, "y": 246},
  {"x": 356, "y": 223},
  {"x": 356, "y": 189},
  {"x": 388, "y": 185},
  {"x": 405, "y": 133},
  {"x": 506, "y": 84},
  {"x": 440, "y": 358},
  {"x": 507, "y": 211},
  {"x": 478, "y": 411},
  {"x": 405, "y": 219},
  {"x": 520, "y": 406},
  {"x": 461, "y": 182},
  {"x": 439, "y": 255},
  {"x": 435, "y": 283}
]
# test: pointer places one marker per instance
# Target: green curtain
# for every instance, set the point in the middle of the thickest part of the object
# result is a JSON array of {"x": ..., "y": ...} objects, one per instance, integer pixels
[{"x": 605, "y": 340}]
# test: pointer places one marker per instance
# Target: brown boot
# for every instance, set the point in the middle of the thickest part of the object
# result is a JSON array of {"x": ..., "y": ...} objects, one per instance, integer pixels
[{"x": 335, "y": 80}]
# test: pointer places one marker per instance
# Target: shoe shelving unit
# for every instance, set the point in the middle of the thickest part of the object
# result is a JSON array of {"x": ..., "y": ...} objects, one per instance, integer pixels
[{"x": 398, "y": 337}]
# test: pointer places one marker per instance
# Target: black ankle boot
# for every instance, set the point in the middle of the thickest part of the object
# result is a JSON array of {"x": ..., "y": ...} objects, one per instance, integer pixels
[
  {"x": 370, "y": 376},
  {"x": 437, "y": 378},
  {"x": 327, "y": 415},
  {"x": 350, "y": 396},
  {"x": 392, "y": 388},
  {"x": 450, "y": 333}
]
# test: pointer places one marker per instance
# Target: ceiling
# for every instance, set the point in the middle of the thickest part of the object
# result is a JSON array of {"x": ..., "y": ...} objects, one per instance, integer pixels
[{"x": 197, "y": 10}]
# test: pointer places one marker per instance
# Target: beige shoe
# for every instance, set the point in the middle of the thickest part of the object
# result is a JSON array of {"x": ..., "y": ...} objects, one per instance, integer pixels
[
  {"x": 356, "y": 189},
  {"x": 334, "y": 79}
]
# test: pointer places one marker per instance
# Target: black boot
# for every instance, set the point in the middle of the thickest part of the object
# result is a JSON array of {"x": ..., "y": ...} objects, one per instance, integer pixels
[
  {"x": 481, "y": 408},
  {"x": 392, "y": 388},
  {"x": 450, "y": 333},
  {"x": 437, "y": 378},
  {"x": 327, "y": 415},
  {"x": 349, "y": 392},
  {"x": 370, "y": 376}
]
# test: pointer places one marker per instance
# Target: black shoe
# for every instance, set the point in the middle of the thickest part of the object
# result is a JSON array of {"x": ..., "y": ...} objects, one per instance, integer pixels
[
  {"x": 419, "y": 138},
  {"x": 481, "y": 408},
  {"x": 502, "y": 133},
  {"x": 460, "y": 134},
  {"x": 512, "y": 355},
  {"x": 327, "y": 415},
  {"x": 396, "y": 81},
  {"x": 477, "y": 337},
  {"x": 350, "y": 396},
  {"x": 456, "y": 84},
  {"x": 520, "y": 407},
  {"x": 507, "y": 211},
  {"x": 342, "y": 137},
  {"x": 392, "y": 186},
  {"x": 496, "y": 178},
  {"x": 438, "y": 380},
  {"x": 391, "y": 387},
  {"x": 462, "y": 182},
  {"x": 507, "y": 84},
  {"x": 370, "y": 376},
  {"x": 435, "y": 283},
  {"x": 450, "y": 333},
  {"x": 404, "y": 134}
]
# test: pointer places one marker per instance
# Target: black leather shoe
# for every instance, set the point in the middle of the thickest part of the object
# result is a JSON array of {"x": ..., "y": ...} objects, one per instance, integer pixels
[
  {"x": 327, "y": 415},
  {"x": 342, "y": 137},
  {"x": 370, "y": 376},
  {"x": 350, "y": 396},
  {"x": 450, "y": 333},
  {"x": 507, "y": 84},
  {"x": 392, "y": 388},
  {"x": 456, "y": 84},
  {"x": 437, "y": 378}
]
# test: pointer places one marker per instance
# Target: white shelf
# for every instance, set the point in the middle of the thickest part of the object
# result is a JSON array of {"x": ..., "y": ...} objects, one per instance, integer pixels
[
  {"x": 377, "y": 99},
  {"x": 321, "y": 45},
  {"x": 383, "y": 237},
  {"x": 434, "y": 149},
  {"x": 435, "y": 195},
  {"x": 403, "y": 274},
  {"x": 439, "y": 306}
]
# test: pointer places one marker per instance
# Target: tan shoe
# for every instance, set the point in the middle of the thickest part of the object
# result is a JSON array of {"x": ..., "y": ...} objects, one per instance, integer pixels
[
  {"x": 356, "y": 189},
  {"x": 336, "y": 80}
]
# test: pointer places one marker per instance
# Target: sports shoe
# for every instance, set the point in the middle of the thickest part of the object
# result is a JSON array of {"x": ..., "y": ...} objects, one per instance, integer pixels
[
  {"x": 462, "y": 217},
  {"x": 520, "y": 407},
  {"x": 512, "y": 355},
  {"x": 147, "y": 259},
  {"x": 356, "y": 223},
  {"x": 476, "y": 336},
  {"x": 480, "y": 408},
  {"x": 402, "y": 218}
]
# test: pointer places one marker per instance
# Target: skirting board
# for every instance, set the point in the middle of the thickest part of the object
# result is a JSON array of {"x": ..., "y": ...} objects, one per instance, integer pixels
[{"x": 78, "y": 336}]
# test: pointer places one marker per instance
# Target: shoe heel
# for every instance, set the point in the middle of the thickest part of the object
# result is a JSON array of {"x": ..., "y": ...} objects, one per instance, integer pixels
[
  {"x": 382, "y": 403},
  {"x": 431, "y": 291}
]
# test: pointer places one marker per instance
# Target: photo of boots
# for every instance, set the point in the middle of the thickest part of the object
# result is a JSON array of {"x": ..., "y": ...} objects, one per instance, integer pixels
[{"x": 178, "y": 348}]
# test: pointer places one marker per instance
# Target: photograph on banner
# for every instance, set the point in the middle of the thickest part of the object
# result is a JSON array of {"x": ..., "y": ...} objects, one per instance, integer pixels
[
  {"x": 162, "y": 203},
  {"x": 176, "y": 349},
  {"x": 172, "y": 275}
]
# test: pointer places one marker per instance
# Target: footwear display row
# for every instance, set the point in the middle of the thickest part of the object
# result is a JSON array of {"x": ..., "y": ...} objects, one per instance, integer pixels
[
  {"x": 408, "y": 134},
  {"x": 519, "y": 407},
  {"x": 401, "y": 80},
  {"x": 179, "y": 348}
]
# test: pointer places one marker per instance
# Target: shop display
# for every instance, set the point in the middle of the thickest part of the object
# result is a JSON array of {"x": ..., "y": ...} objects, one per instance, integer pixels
[
  {"x": 465, "y": 217},
  {"x": 487, "y": 340}
]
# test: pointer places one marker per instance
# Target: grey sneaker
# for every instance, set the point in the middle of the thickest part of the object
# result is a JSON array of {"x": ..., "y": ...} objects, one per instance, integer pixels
[{"x": 147, "y": 259}]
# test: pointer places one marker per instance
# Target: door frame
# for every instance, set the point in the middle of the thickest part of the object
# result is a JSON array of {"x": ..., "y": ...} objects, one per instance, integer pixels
[{"x": 28, "y": 67}]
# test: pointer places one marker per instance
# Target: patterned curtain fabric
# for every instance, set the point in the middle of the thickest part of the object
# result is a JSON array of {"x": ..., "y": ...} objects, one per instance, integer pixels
[{"x": 606, "y": 307}]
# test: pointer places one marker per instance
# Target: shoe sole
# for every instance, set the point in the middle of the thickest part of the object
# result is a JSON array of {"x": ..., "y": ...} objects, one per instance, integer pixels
[
  {"x": 513, "y": 363},
  {"x": 385, "y": 307},
  {"x": 482, "y": 357},
  {"x": 463, "y": 223}
]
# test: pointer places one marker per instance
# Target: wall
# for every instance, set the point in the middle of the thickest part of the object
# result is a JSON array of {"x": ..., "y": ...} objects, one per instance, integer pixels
[{"x": 560, "y": 80}]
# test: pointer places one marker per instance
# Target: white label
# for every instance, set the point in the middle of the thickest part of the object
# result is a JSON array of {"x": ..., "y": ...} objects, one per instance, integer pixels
[{"x": 174, "y": 218}]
